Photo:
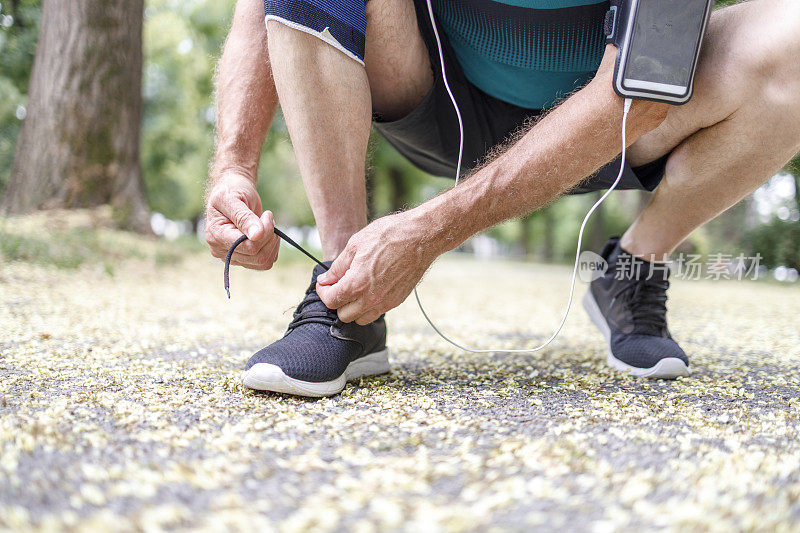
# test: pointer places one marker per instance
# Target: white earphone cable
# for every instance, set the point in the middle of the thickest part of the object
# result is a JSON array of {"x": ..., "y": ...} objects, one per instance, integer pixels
[
  {"x": 626, "y": 109},
  {"x": 449, "y": 92}
]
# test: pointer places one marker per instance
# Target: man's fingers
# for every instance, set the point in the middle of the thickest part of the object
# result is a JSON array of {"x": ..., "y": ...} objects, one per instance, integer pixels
[
  {"x": 368, "y": 318},
  {"x": 333, "y": 286},
  {"x": 263, "y": 259},
  {"x": 338, "y": 269},
  {"x": 274, "y": 250},
  {"x": 268, "y": 222},
  {"x": 233, "y": 209},
  {"x": 224, "y": 235},
  {"x": 340, "y": 293},
  {"x": 242, "y": 217},
  {"x": 260, "y": 262},
  {"x": 221, "y": 233},
  {"x": 353, "y": 310}
]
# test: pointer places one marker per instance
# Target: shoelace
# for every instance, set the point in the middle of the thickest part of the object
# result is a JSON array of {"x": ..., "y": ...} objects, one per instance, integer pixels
[
  {"x": 240, "y": 240},
  {"x": 648, "y": 304},
  {"x": 304, "y": 315}
]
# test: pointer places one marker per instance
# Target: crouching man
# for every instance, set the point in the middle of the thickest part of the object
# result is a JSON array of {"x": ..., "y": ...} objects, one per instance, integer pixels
[{"x": 538, "y": 125}]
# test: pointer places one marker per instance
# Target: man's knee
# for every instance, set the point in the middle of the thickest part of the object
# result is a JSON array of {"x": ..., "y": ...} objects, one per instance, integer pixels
[
  {"x": 777, "y": 66},
  {"x": 339, "y": 23},
  {"x": 770, "y": 63},
  {"x": 751, "y": 53},
  {"x": 397, "y": 61}
]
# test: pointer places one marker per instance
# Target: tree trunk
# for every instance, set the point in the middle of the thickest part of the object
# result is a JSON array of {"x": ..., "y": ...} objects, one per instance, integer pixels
[
  {"x": 793, "y": 167},
  {"x": 79, "y": 145},
  {"x": 525, "y": 235},
  {"x": 549, "y": 230},
  {"x": 15, "y": 13},
  {"x": 369, "y": 183},
  {"x": 399, "y": 189},
  {"x": 797, "y": 188}
]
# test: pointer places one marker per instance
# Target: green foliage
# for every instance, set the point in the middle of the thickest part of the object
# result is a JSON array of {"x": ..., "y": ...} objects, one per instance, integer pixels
[
  {"x": 395, "y": 183},
  {"x": 778, "y": 242},
  {"x": 19, "y": 25},
  {"x": 182, "y": 42},
  {"x": 279, "y": 181},
  {"x": 10, "y": 101}
]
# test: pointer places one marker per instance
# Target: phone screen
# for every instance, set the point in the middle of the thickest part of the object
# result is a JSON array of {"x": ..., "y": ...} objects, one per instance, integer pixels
[{"x": 664, "y": 42}]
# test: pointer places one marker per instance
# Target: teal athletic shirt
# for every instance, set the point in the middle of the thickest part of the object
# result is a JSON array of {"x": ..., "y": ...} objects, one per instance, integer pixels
[{"x": 530, "y": 53}]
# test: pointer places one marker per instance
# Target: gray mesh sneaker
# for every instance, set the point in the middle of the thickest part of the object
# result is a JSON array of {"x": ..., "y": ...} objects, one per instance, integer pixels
[
  {"x": 628, "y": 305},
  {"x": 318, "y": 354}
]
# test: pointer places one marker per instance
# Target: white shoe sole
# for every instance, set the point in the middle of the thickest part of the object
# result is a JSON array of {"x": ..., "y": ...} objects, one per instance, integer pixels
[
  {"x": 667, "y": 368},
  {"x": 268, "y": 377}
]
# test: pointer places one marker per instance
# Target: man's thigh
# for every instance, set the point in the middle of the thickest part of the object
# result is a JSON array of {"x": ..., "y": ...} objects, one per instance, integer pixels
[
  {"x": 741, "y": 43},
  {"x": 396, "y": 58}
]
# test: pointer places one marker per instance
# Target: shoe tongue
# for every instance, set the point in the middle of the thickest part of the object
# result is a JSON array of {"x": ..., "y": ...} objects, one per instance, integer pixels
[
  {"x": 318, "y": 270},
  {"x": 611, "y": 247},
  {"x": 312, "y": 288}
]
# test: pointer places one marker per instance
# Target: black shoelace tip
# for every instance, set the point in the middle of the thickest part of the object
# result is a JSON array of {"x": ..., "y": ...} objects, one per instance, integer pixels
[{"x": 240, "y": 240}]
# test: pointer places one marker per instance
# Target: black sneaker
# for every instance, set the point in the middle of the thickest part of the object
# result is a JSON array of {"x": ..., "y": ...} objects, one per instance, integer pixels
[
  {"x": 632, "y": 315},
  {"x": 318, "y": 354}
]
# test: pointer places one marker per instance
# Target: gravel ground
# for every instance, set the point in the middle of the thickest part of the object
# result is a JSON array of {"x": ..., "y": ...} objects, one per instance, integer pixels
[{"x": 120, "y": 409}]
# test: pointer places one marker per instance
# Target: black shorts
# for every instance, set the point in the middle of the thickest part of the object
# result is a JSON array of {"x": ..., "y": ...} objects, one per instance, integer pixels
[{"x": 429, "y": 135}]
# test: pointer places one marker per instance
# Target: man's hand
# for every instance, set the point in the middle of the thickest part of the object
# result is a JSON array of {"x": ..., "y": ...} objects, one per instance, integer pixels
[
  {"x": 378, "y": 269},
  {"x": 233, "y": 208}
]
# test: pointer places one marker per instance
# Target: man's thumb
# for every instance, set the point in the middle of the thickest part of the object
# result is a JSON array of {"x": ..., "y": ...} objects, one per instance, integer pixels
[
  {"x": 243, "y": 218},
  {"x": 337, "y": 269},
  {"x": 251, "y": 225}
]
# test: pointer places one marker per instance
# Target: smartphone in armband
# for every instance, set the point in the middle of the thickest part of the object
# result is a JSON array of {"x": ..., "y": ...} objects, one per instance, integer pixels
[{"x": 658, "y": 44}]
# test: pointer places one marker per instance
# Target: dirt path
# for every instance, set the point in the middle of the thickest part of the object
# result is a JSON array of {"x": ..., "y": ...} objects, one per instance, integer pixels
[{"x": 120, "y": 409}]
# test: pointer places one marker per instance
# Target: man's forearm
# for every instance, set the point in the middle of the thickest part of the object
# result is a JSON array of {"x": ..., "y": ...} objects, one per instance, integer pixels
[
  {"x": 246, "y": 96},
  {"x": 566, "y": 146}
]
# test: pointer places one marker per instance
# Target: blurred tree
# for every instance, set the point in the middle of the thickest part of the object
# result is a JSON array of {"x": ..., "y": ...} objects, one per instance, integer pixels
[
  {"x": 778, "y": 243},
  {"x": 279, "y": 183},
  {"x": 548, "y": 230},
  {"x": 526, "y": 235},
  {"x": 794, "y": 169},
  {"x": 181, "y": 41},
  {"x": 19, "y": 28},
  {"x": 79, "y": 144},
  {"x": 396, "y": 183}
]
